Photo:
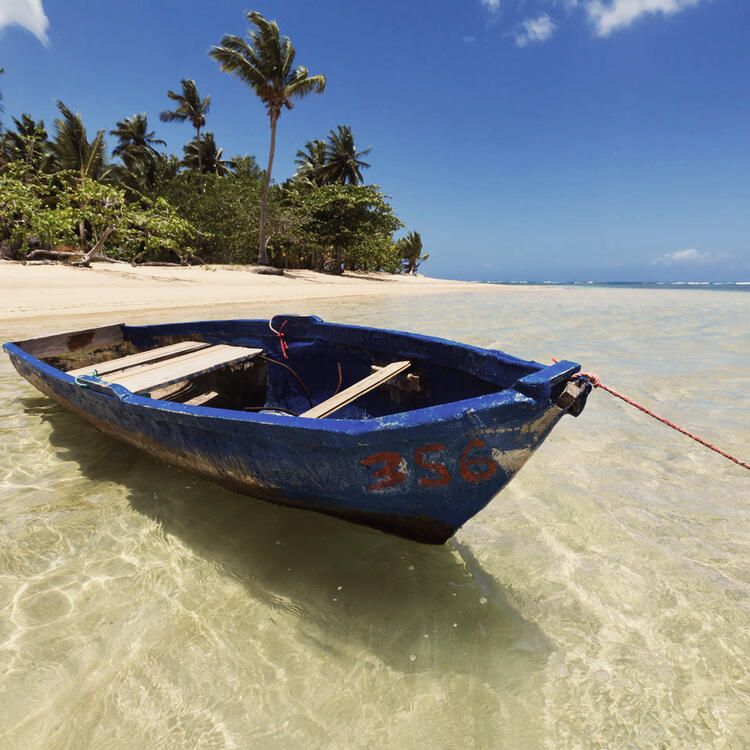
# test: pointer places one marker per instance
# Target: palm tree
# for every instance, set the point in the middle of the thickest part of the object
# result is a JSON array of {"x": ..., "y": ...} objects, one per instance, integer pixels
[
  {"x": 246, "y": 166},
  {"x": 134, "y": 140},
  {"x": 410, "y": 250},
  {"x": 191, "y": 107},
  {"x": 343, "y": 161},
  {"x": 311, "y": 162},
  {"x": 28, "y": 144},
  {"x": 265, "y": 65},
  {"x": 72, "y": 148},
  {"x": 204, "y": 156},
  {"x": 2, "y": 70}
]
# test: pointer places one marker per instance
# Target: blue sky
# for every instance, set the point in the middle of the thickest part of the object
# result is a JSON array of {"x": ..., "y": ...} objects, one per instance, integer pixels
[{"x": 524, "y": 139}]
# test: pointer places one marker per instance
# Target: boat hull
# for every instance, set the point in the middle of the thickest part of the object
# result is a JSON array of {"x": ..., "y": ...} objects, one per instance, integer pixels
[
  {"x": 420, "y": 475},
  {"x": 333, "y": 476}
]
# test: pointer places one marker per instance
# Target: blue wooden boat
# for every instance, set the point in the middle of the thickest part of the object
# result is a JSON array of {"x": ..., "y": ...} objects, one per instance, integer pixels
[{"x": 408, "y": 434}]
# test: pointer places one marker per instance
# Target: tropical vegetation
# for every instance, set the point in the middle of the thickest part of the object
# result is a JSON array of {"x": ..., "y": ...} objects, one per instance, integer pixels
[
  {"x": 409, "y": 250},
  {"x": 190, "y": 106},
  {"x": 265, "y": 65},
  {"x": 64, "y": 196}
]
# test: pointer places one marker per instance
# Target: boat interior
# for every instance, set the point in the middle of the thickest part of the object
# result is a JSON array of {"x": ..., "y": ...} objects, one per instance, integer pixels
[{"x": 292, "y": 364}]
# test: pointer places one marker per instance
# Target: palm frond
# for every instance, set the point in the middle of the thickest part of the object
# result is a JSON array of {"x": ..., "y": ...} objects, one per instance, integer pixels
[
  {"x": 204, "y": 156},
  {"x": 238, "y": 44},
  {"x": 28, "y": 144},
  {"x": 169, "y": 116},
  {"x": 302, "y": 84},
  {"x": 233, "y": 61},
  {"x": 190, "y": 105},
  {"x": 96, "y": 155},
  {"x": 268, "y": 31},
  {"x": 343, "y": 162},
  {"x": 287, "y": 56},
  {"x": 133, "y": 134},
  {"x": 72, "y": 148}
]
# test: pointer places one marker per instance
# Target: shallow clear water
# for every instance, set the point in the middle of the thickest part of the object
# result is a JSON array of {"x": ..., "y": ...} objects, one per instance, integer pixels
[{"x": 602, "y": 600}]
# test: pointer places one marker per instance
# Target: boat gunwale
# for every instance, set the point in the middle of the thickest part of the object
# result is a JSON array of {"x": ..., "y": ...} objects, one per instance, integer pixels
[{"x": 540, "y": 375}]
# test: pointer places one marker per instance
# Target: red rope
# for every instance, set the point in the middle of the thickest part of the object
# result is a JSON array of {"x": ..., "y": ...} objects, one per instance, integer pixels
[
  {"x": 280, "y": 334},
  {"x": 341, "y": 377},
  {"x": 596, "y": 382}
]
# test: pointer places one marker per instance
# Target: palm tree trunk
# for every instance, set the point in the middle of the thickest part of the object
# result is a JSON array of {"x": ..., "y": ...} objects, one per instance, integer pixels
[
  {"x": 198, "y": 138},
  {"x": 82, "y": 236},
  {"x": 337, "y": 269},
  {"x": 262, "y": 254}
]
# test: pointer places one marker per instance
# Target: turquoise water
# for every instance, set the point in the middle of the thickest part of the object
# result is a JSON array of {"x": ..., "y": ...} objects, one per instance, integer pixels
[{"x": 601, "y": 601}]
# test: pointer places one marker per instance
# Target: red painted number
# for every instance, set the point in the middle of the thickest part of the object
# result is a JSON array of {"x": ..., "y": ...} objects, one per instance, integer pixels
[
  {"x": 389, "y": 471},
  {"x": 443, "y": 477},
  {"x": 472, "y": 469},
  {"x": 471, "y": 474}
]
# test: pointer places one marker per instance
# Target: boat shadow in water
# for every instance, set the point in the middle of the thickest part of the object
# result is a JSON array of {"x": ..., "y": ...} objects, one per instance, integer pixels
[{"x": 347, "y": 589}]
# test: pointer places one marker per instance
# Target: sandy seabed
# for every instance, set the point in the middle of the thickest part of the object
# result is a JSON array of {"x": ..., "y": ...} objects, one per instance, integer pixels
[
  {"x": 602, "y": 600},
  {"x": 57, "y": 291}
]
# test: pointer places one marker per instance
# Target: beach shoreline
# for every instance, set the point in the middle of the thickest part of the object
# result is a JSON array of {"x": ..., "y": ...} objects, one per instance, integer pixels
[{"x": 61, "y": 291}]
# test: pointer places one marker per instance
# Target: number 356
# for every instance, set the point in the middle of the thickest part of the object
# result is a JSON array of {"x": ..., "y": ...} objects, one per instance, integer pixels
[{"x": 386, "y": 466}]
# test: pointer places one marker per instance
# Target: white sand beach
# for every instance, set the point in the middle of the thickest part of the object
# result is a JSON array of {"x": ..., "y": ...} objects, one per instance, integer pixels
[{"x": 62, "y": 291}]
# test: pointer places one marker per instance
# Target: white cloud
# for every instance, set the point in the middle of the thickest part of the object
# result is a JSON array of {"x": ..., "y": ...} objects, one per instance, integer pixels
[
  {"x": 469, "y": 39},
  {"x": 534, "y": 30},
  {"x": 611, "y": 15},
  {"x": 27, "y": 13},
  {"x": 605, "y": 16},
  {"x": 689, "y": 256}
]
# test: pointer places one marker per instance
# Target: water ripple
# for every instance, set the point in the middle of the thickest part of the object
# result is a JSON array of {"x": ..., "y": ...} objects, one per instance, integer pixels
[{"x": 602, "y": 600}]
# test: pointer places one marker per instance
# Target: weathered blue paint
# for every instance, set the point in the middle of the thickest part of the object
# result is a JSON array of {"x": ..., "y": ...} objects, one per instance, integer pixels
[{"x": 506, "y": 403}]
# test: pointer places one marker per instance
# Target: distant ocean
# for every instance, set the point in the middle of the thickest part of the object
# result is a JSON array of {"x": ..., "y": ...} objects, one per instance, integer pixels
[{"x": 724, "y": 286}]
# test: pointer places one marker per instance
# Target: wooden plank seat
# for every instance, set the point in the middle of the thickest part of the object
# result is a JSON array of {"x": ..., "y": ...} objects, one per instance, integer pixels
[
  {"x": 140, "y": 358},
  {"x": 183, "y": 367},
  {"x": 151, "y": 375},
  {"x": 359, "y": 388},
  {"x": 201, "y": 398}
]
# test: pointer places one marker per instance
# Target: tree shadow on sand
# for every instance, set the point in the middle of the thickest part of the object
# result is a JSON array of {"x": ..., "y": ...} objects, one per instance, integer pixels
[
  {"x": 347, "y": 588},
  {"x": 324, "y": 277}
]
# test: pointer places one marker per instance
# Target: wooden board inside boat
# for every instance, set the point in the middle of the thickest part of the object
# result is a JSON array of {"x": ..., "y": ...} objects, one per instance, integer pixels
[{"x": 182, "y": 367}]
